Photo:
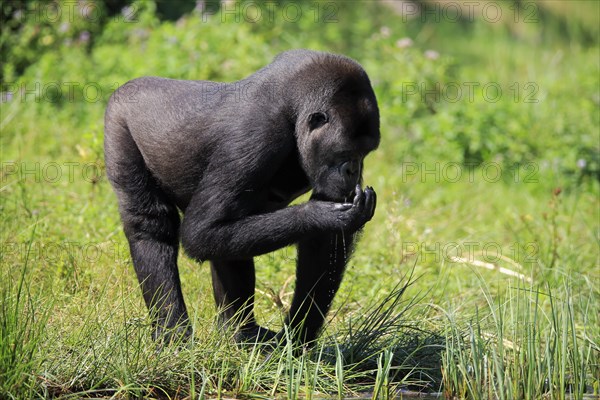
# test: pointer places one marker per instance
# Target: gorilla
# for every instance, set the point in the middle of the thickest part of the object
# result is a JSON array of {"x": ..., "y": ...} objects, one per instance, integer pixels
[{"x": 216, "y": 165}]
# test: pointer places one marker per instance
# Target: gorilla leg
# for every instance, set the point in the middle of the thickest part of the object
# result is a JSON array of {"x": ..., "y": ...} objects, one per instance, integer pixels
[
  {"x": 154, "y": 246},
  {"x": 233, "y": 288},
  {"x": 151, "y": 225},
  {"x": 321, "y": 264}
]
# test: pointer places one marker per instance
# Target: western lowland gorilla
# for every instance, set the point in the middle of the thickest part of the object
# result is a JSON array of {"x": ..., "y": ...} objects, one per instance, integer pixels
[{"x": 231, "y": 157}]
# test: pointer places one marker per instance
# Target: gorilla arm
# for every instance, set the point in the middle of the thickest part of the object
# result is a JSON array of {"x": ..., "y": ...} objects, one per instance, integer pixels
[
  {"x": 218, "y": 225},
  {"x": 321, "y": 264}
]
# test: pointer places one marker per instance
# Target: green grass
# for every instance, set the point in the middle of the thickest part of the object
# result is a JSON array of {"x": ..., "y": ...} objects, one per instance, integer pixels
[{"x": 480, "y": 286}]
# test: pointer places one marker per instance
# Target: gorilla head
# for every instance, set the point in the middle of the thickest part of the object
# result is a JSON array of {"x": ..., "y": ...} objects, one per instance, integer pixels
[{"x": 337, "y": 121}]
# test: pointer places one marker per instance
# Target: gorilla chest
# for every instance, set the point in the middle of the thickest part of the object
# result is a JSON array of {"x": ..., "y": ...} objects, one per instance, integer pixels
[{"x": 288, "y": 182}]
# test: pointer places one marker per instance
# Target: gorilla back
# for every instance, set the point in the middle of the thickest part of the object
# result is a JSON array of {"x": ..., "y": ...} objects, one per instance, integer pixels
[{"x": 231, "y": 157}]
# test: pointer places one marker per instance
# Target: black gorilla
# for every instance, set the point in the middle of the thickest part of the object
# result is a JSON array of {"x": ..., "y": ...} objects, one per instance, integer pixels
[{"x": 231, "y": 157}]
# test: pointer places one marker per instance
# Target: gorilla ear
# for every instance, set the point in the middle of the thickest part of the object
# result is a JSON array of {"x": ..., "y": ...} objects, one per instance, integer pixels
[{"x": 317, "y": 120}]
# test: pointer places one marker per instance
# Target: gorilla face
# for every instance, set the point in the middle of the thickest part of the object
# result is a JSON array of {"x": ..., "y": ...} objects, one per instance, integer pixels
[{"x": 336, "y": 138}]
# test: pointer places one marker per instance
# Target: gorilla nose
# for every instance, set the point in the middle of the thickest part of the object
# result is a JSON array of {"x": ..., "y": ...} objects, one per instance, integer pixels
[{"x": 350, "y": 169}]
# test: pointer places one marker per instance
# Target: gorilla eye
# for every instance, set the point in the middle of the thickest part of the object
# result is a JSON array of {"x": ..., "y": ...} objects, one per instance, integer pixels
[{"x": 317, "y": 120}]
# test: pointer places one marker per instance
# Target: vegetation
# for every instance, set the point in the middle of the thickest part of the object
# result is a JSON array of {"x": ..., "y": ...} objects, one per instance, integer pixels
[{"x": 478, "y": 278}]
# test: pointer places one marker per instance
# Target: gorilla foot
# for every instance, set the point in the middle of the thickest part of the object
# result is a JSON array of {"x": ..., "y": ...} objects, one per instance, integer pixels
[{"x": 254, "y": 334}]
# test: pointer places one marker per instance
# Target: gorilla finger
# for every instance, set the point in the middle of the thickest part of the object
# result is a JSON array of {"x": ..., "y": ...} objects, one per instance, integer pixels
[
  {"x": 374, "y": 206},
  {"x": 342, "y": 206},
  {"x": 370, "y": 200},
  {"x": 359, "y": 196}
]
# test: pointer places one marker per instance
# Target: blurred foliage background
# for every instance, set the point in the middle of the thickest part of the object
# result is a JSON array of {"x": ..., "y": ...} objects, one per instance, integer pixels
[{"x": 509, "y": 82}]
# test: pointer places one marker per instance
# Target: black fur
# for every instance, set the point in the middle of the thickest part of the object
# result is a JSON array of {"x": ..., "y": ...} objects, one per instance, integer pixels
[{"x": 231, "y": 157}]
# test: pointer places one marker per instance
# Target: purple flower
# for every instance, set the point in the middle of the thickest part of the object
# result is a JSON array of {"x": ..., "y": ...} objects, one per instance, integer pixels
[
  {"x": 432, "y": 54},
  {"x": 128, "y": 12},
  {"x": 404, "y": 43},
  {"x": 84, "y": 36},
  {"x": 5, "y": 97}
]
